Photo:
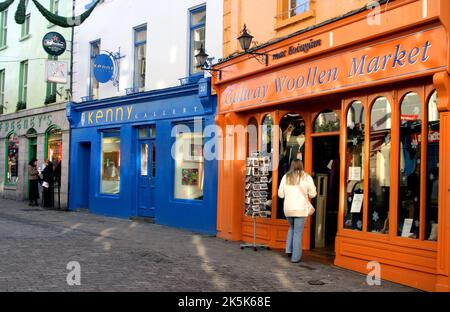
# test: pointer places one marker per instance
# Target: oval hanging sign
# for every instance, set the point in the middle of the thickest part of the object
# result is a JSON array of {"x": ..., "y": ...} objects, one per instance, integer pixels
[
  {"x": 103, "y": 68},
  {"x": 54, "y": 44}
]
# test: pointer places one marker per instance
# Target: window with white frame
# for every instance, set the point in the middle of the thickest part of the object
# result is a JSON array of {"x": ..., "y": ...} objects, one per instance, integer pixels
[
  {"x": 197, "y": 36},
  {"x": 140, "y": 52},
  {"x": 3, "y": 28},
  {"x": 23, "y": 83},
  {"x": 26, "y": 25}
]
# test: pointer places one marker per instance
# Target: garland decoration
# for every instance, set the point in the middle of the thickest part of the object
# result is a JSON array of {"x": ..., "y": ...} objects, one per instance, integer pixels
[
  {"x": 5, "y": 4},
  {"x": 20, "y": 12},
  {"x": 62, "y": 21}
]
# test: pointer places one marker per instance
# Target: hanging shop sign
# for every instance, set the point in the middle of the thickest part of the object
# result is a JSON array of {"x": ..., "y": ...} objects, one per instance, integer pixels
[
  {"x": 104, "y": 68},
  {"x": 54, "y": 44},
  {"x": 57, "y": 72},
  {"x": 421, "y": 52}
]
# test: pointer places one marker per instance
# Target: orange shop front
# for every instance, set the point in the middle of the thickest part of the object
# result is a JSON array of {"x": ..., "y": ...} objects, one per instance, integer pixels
[{"x": 369, "y": 115}]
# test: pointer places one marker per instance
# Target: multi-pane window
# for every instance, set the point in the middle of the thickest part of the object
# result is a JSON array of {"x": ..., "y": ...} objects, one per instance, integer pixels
[
  {"x": 2, "y": 91},
  {"x": 140, "y": 52},
  {"x": 3, "y": 28},
  {"x": 197, "y": 37},
  {"x": 93, "y": 83},
  {"x": 297, "y": 7},
  {"x": 26, "y": 26},
  {"x": 23, "y": 82}
]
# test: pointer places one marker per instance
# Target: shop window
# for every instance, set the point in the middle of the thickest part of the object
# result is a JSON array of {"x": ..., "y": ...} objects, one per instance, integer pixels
[
  {"x": 252, "y": 136},
  {"x": 110, "y": 162},
  {"x": 189, "y": 165},
  {"x": 267, "y": 135},
  {"x": 432, "y": 190},
  {"x": 379, "y": 166},
  {"x": 410, "y": 164},
  {"x": 327, "y": 121},
  {"x": 354, "y": 167},
  {"x": 12, "y": 167},
  {"x": 291, "y": 147},
  {"x": 54, "y": 145}
]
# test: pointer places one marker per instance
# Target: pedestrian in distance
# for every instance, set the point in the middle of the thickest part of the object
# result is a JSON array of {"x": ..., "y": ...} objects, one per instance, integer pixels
[
  {"x": 296, "y": 188},
  {"x": 33, "y": 177},
  {"x": 47, "y": 177}
]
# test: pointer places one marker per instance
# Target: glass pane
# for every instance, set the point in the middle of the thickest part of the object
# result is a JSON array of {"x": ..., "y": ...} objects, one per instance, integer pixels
[
  {"x": 252, "y": 136},
  {"x": 110, "y": 159},
  {"x": 144, "y": 159},
  {"x": 198, "y": 18},
  {"x": 197, "y": 40},
  {"x": 55, "y": 146},
  {"x": 379, "y": 166},
  {"x": 140, "y": 65},
  {"x": 354, "y": 167},
  {"x": 13, "y": 159},
  {"x": 297, "y": 7},
  {"x": 143, "y": 133},
  {"x": 434, "y": 139},
  {"x": 327, "y": 122},
  {"x": 152, "y": 132},
  {"x": 410, "y": 159},
  {"x": 153, "y": 160},
  {"x": 141, "y": 35},
  {"x": 292, "y": 146},
  {"x": 189, "y": 166}
]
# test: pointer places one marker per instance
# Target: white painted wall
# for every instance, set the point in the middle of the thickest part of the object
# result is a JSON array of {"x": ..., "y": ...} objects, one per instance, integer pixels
[{"x": 167, "y": 40}]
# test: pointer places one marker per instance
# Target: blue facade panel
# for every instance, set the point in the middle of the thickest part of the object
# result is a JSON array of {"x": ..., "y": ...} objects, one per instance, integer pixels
[{"x": 162, "y": 110}]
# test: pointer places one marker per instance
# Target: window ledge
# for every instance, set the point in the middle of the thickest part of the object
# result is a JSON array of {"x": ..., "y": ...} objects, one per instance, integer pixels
[
  {"x": 11, "y": 187},
  {"x": 282, "y": 23},
  {"x": 25, "y": 37},
  {"x": 3, "y": 48}
]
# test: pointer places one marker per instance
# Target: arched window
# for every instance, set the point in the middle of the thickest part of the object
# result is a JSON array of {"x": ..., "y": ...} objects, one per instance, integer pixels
[
  {"x": 267, "y": 135},
  {"x": 252, "y": 136},
  {"x": 379, "y": 166},
  {"x": 354, "y": 163},
  {"x": 54, "y": 145},
  {"x": 327, "y": 121},
  {"x": 12, "y": 159},
  {"x": 432, "y": 192},
  {"x": 292, "y": 146},
  {"x": 410, "y": 164}
]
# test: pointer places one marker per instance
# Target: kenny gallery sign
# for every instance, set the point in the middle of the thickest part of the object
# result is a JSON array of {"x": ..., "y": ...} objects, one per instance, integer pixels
[{"x": 420, "y": 52}]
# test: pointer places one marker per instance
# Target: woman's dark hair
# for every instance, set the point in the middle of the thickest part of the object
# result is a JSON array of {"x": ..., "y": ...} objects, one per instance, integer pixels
[{"x": 32, "y": 161}]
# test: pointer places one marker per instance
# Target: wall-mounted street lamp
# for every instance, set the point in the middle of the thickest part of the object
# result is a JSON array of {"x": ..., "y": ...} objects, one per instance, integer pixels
[
  {"x": 205, "y": 64},
  {"x": 245, "y": 40}
]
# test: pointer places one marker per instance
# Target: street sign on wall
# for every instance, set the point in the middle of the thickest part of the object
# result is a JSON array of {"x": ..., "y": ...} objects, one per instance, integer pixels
[
  {"x": 57, "y": 72},
  {"x": 54, "y": 44}
]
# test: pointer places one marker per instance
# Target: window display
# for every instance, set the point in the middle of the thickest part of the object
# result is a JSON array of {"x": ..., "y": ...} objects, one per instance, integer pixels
[
  {"x": 189, "y": 166},
  {"x": 410, "y": 164},
  {"x": 291, "y": 147},
  {"x": 432, "y": 192},
  {"x": 380, "y": 166},
  {"x": 54, "y": 152},
  {"x": 327, "y": 121},
  {"x": 354, "y": 164},
  {"x": 110, "y": 159},
  {"x": 12, "y": 174}
]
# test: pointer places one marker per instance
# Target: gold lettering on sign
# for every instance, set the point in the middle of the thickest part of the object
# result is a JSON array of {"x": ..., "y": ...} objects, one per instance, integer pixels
[
  {"x": 129, "y": 110},
  {"x": 119, "y": 110},
  {"x": 98, "y": 115},
  {"x": 90, "y": 118},
  {"x": 109, "y": 115}
]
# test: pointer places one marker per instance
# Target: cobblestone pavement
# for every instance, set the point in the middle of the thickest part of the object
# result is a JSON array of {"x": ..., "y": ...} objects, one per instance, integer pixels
[{"x": 121, "y": 255}]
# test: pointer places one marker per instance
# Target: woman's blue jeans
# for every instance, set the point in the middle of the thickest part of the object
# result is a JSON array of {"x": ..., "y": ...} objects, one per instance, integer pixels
[{"x": 294, "y": 239}]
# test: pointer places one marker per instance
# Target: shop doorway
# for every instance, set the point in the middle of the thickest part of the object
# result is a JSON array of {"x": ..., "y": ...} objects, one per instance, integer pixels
[
  {"x": 84, "y": 174},
  {"x": 32, "y": 150},
  {"x": 146, "y": 172},
  {"x": 326, "y": 176}
]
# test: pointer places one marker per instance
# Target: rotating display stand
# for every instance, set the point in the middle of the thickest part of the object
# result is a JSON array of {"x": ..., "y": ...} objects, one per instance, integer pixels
[{"x": 257, "y": 203}]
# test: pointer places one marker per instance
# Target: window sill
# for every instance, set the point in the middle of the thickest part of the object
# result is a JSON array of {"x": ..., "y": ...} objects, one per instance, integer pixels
[
  {"x": 11, "y": 187},
  {"x": 25, "y": 37},
  {"x": 282, "y": 23},
  {"x": 3, "y": 48}
]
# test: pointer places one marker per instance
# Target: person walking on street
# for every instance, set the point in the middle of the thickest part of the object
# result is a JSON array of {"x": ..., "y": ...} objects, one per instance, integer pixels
[
  {"x": 47, "y": 177},
  {"x": 295, "y": 188}
]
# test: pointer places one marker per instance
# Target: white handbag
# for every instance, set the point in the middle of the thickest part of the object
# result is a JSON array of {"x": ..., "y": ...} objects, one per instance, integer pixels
[
  {"x": 45, "y": 184},
  {"x": 311, "y": 209}
]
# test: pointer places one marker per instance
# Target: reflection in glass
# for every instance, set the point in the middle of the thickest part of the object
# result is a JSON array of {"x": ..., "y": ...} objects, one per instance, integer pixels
[
  {"x": 354, "y": 167},
  {"x": 144, "y": 159},
  {"x": 153, "y": 160},
  {"x": 55, "y": 146},
  {"x": 110, "y": 159},
  {"x": 292, "y": 146},
  {"x": 267, "y": 135},
  {"x": 432, "y": 194},
  {"x": 410, "y": 160},
  {"x": 252, "y": 136},
  {"x": 12, "y": 173},
  {"x": 189, "y": 166},
  {"x": 327, "y": 121},
  {"x": 379, "y": 166}
]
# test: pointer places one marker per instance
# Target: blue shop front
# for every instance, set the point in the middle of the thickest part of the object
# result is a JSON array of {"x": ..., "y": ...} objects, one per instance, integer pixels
[{"x": 143, "y": 155}]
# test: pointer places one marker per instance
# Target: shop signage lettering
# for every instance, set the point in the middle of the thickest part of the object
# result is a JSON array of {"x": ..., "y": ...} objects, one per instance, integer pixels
[
  {"x": 26, "y": 123},
  {"x": 401, "y": 57},
  {"x": 301, "y": 47},
  {"x": 109, "y": 115}
]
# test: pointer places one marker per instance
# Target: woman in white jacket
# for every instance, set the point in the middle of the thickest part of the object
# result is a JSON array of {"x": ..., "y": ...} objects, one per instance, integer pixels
[{"x": 295, "y": 187}]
